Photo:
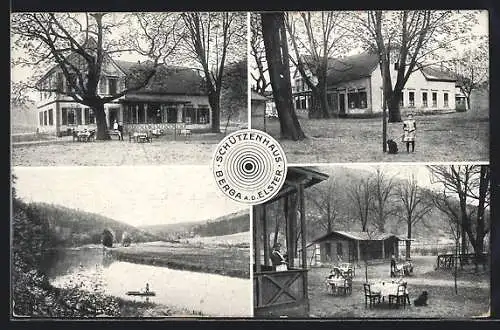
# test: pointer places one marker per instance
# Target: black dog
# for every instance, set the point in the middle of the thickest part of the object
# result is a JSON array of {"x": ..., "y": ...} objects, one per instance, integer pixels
[
  {"x": 393, "y": 146},
  {"x": 421, "y": 300}
]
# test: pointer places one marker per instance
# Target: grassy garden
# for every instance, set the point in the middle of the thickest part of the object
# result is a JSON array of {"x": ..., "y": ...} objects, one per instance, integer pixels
[
  {"x": 472, "y": 300},
  {"x": 457, "y": 136},
  {"x": 198, "y": 148}
]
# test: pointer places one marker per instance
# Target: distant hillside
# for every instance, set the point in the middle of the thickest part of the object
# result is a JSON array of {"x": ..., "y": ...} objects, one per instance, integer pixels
[
  {"x": 225, "y": 225},
  {"x": 72, "y": 227},
  {"x": 23, "y": 119}
]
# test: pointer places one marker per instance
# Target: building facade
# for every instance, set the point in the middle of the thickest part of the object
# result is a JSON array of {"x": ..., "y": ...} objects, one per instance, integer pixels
[
  {"x": 173, "y": 97},
  {"x": 354, "y": 86},
  {"x": 346, "y": 246}
]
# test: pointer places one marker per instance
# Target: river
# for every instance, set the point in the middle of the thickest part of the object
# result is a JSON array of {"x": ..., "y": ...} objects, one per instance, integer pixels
[{"x": 211, "y": 294}]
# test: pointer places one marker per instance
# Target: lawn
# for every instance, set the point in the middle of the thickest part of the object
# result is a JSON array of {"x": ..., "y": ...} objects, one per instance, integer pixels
[
  {"x": 457, "y": 136},
  {"x": 222, "y": 260},
  {"x": 193, "y": 150},
  {"x": 471, "y": 301}
]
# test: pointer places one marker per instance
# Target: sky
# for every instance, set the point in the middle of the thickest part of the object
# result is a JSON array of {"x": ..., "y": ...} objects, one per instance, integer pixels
[
  {"x": 399, "y": 171},
  {"x": 138, "y": 196}
]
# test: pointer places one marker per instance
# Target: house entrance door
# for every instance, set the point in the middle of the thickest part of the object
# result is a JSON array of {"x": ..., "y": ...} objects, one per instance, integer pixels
[
  {"x": 112, "y": 116},
  {"x": 341, "y": 104}
]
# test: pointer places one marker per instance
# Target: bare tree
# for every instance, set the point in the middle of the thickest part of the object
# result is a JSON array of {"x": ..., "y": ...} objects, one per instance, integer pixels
[
  {"x": 81, "y": 45},
  {"x": 415, "y": 206},
  {"x": 383, "y": 190},
  {"x": 275, "y": 43},
  {"x": 212, "y": 39},
  {"x": 361, "y": 197},
  {"x": 471, "y": 69},
  {"x": 463, "y": 184},
  {"x": 258, "y": 53},
  {"x": 410, "y": 39},
  {"x": 315, "y": 37},
  {"x": 324, "y": 200}
]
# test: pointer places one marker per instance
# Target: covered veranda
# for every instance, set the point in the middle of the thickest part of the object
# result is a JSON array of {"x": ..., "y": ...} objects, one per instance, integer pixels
[{"x": 283, "y": 293}]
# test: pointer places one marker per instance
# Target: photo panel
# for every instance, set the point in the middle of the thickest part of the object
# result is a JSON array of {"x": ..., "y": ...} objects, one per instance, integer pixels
[
  {"x": 127, "y": 242},
  {"x": 372, "y": 86},
  {"x": 375, "y": 241},
  {"x": 144, "y": 87}
]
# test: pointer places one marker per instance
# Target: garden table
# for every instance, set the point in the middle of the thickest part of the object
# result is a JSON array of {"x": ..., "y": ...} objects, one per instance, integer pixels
[{"x": 386, "y": 288}]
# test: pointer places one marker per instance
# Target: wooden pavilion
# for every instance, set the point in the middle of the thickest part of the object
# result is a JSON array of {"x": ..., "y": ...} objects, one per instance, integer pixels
[{"x": 283, "y": 293}]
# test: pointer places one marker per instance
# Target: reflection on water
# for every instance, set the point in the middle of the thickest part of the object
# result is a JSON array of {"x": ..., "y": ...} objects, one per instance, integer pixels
[{"x": 213, "y": 295}]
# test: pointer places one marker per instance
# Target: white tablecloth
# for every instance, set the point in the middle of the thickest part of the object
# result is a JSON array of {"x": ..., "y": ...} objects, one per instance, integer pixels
[
  {"x": 337, "y": 281},
  {"x": 385, "y": 288}
]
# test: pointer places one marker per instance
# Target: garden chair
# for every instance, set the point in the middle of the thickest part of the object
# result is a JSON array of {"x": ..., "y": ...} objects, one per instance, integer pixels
[
  {"x": 347, "y": 288},
  {"x": 91, "y": 136},
  {"x": 400, "y": 297},
  {"x": 370, "y": 296}
]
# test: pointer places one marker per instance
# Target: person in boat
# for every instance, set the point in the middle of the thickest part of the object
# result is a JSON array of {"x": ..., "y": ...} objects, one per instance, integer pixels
[
  {"x": 147, "y": 287},
  {"x": 277, "y": 259}
]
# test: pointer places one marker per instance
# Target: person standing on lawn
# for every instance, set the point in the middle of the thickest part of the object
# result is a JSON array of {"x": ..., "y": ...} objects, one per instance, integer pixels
[{"x": 410, "y": 130}]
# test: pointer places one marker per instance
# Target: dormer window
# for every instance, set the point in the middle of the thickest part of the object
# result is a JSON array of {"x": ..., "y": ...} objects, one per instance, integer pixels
[
  {"x": 113, "y": 84},
  {"x": 102, "y": 85}
]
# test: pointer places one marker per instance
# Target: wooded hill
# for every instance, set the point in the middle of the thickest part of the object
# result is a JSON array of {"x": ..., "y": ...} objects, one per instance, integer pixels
[
  {"x": 433, "y": 226},
  {"x": 70, "y": 227},
  {"x": 225, "y": 225}
]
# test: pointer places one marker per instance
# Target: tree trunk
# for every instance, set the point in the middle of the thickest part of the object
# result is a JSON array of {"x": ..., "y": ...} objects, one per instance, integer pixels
[
  {"x": 320, "y": 107},
  {"x": 394, "y": 111},
  {"x": 214, "y": 101},
  {"x": 274, "y": 34},
  {"x": 408, "y": 242},
  {"x": 100, "y": 119},
  {"x": 467, "y": 99},
  {"x": 480, "y": 228}
]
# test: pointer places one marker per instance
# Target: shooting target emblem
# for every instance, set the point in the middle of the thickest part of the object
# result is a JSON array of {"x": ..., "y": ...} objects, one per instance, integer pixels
[{"x": 249, "y": 166}]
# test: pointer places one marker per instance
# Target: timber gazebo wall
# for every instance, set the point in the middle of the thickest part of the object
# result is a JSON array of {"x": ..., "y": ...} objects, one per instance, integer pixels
[{"x": 283, "y": 293}]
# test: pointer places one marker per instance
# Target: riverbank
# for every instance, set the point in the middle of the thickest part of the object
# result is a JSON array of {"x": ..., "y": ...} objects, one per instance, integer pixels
[{"x": 222, "y": 260}]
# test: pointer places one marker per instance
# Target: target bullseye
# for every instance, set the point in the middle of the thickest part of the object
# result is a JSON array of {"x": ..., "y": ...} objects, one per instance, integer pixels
[{"x": 249, "y": 166}]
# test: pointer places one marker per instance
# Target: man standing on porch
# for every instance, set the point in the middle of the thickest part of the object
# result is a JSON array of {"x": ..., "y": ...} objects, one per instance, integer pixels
[
  {"x": 120, "y": 129},
  {"x": 277, "y": 259}
]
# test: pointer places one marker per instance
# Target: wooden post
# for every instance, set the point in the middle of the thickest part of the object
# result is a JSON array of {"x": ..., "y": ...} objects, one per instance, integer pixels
[
  {"x": 383, "y": 249},
  {"x": 266, "y": 234},
  {"x": 359, "y": 251},
  {"x": 256, "y": 236},
  {"x": 292, "y": 218},
  {"x": 145, "y": 113},
  {"x": 302, "y": 225}
]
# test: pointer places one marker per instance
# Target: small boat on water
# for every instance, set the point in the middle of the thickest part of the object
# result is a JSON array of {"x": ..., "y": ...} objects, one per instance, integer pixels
[{"x": 140, "y": 293}]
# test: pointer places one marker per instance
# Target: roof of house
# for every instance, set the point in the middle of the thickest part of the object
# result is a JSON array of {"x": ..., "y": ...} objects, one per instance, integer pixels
[
  {"x": 351, "y": 68},
  {"x": 434, "y": 74},
  {"x": 357, "y": 236},
  {"x": 362, "y": 65},
  {"x": 167, "y": 79}
]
